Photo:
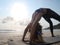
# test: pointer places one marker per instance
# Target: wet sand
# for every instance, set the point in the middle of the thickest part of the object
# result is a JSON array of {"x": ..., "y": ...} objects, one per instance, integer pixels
[{"x": 6, "y": 39}]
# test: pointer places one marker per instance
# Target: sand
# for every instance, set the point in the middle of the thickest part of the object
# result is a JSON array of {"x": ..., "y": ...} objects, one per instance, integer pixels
[{"x": 16, "y": 39}]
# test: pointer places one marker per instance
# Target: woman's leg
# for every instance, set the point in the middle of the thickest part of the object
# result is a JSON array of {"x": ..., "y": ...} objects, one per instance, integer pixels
[
  {"x": 51, "y": 25},
  {"x": 54, "y": 15}
]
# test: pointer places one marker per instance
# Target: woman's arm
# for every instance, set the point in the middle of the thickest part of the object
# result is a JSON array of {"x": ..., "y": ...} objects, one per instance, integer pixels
[{"x": 25, "y": 31}]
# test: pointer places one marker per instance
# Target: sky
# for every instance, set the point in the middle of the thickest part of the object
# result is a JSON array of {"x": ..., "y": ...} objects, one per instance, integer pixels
[{"x": 18, "y": 13}]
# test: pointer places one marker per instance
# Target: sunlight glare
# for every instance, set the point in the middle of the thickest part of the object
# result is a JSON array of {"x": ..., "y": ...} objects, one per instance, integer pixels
[{"x": 19, "y": 11}]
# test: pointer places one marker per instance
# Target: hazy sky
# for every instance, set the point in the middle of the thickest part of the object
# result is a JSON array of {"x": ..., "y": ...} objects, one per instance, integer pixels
[{"x": 23, "y": 9}]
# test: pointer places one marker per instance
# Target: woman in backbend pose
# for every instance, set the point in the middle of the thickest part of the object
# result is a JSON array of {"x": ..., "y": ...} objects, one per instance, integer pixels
[{"x": 46, "y": 13}]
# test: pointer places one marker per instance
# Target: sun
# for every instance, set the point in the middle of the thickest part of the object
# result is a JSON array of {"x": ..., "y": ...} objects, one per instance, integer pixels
[{"x": 19, "y": 11}]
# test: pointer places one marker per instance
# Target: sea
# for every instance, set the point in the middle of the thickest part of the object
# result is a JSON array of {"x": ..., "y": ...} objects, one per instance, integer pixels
[
  {"x": 7, "y": 33},
  {"x": 20, "y": 32}
]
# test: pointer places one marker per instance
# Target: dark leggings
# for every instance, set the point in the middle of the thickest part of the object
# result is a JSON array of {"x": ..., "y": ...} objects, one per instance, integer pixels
[
  {"x": 53, "y": 15},
  {"x": 51, "y": 25}
]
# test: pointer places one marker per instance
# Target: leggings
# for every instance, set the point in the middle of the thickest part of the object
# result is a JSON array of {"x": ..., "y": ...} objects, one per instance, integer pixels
[{"x": 51, "y": 14}]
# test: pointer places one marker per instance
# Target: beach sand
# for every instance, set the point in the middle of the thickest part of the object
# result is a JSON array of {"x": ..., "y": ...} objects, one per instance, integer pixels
[{"x": 16, "y": 39}]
